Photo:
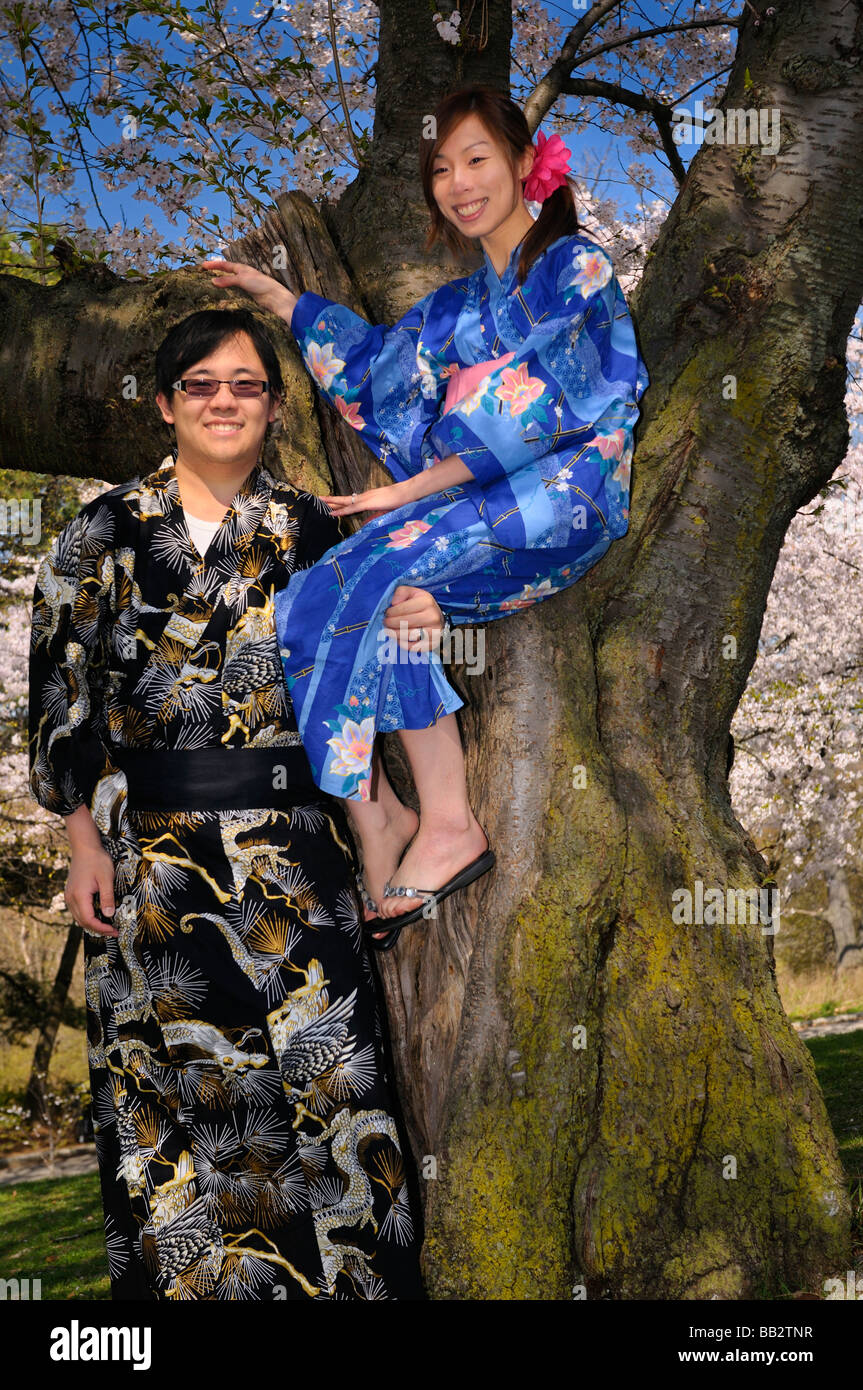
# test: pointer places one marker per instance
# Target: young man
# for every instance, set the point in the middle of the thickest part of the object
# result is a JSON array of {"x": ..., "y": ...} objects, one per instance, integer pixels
[{"x": 246, "y": 1128}]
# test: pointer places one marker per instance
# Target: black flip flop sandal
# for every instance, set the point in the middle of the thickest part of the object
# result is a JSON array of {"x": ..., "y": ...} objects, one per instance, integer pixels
[{"x": 431, "y": 896}]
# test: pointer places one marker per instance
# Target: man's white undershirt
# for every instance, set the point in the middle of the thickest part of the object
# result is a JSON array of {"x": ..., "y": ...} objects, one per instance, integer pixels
[{"x": 201, "y": 532}]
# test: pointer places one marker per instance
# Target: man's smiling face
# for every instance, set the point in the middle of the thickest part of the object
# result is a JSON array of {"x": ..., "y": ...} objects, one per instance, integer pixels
[{"x": 222, "y": 429}]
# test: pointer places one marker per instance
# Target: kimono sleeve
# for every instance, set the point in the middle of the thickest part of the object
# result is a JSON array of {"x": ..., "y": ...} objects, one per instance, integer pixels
[
  {"x": 71, "y": 603},
  {"x": 568, "y": 400},
  {"x": 378, "y": 378}
]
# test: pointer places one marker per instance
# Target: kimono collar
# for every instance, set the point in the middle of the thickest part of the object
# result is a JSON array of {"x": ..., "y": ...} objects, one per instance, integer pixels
[
  {"x": 165, "y": 480},
  {"x": 509, "y": 269},
  {"x": 159, "y": 497}
]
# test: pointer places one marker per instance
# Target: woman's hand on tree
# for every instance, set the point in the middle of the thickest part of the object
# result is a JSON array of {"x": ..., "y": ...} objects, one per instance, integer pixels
[{"x": 269, "y": 293}]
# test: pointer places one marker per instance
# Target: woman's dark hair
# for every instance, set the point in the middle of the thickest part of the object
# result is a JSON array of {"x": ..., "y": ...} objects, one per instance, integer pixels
[
  {"x": 200, "y": 334},
  {"x": 508, "y": 128}
]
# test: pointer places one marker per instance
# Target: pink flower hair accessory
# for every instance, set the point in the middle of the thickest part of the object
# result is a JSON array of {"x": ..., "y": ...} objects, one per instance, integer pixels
[{"x": 550, "y": 168}]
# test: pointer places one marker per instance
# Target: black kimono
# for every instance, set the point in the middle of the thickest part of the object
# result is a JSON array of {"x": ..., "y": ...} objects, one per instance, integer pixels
[{"x": 245, "y": 1124}]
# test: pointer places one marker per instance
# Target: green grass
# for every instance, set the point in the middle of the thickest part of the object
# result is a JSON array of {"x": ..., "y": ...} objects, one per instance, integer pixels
[
  {"x": 839, "y": 1066},
  {"x": 52, "y": 1230}
]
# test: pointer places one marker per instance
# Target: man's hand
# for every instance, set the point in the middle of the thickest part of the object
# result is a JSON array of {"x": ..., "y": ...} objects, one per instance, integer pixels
[
  {"x": 91, "y": 871},
  {"x": 412, "y": 609}
]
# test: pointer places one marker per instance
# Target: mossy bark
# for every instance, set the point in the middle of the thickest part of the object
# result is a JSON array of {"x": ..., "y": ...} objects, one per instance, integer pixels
[{"x": 607, "y": 1100}]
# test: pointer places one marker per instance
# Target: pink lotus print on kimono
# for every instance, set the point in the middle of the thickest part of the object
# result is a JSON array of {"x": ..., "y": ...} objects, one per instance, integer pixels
[
  {"x": 532, "y": 593},
  {"x": 352, "y": 743}
]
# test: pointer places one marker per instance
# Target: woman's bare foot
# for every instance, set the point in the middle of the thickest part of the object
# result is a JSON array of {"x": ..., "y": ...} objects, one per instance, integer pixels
[
  {"x": 438, "y": 853},
  {"x": 382, "y": 843}
]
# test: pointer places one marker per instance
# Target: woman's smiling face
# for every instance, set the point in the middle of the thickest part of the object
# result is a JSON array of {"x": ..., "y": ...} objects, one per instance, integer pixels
[{"x": 473, "y": 182}]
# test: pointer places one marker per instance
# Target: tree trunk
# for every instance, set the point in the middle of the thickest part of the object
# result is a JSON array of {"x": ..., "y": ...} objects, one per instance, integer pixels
[
  {"x": 35, "y": 1096},
  {"x": 678, "y": 1146},
  {"x": 601, "y": 1097},
  {"x": 381, "y": 220},
  {"x": 843, "y": 919}
]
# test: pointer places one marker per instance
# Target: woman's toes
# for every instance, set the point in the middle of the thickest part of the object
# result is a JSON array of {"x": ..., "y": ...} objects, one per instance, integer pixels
[{"x": 398, "y": 905}]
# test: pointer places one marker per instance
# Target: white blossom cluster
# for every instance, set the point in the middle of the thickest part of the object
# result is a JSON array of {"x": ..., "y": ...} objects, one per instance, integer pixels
[
  {"x": 214, "y": 117},
  {"x": 24, "y": 826},
  {"x": 448, "y": 28}
]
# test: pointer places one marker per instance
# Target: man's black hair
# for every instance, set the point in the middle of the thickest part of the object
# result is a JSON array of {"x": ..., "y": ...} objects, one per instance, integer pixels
[{"x": 200, "y": 334}]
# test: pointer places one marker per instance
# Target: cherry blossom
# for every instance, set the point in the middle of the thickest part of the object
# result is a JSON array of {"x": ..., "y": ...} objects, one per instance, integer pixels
[{"x": 448, "y": 28}]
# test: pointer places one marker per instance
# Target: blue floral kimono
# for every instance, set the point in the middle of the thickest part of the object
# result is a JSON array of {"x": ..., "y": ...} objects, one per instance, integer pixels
[{"x": 548, "y": 438}]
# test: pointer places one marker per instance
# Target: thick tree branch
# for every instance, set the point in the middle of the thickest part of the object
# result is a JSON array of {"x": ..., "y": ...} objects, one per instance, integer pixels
[{"x": 547, "y": 90}]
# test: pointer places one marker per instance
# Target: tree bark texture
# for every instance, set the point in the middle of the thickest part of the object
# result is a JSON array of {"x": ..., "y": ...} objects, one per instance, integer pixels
[{"x": 843, "y": 919}]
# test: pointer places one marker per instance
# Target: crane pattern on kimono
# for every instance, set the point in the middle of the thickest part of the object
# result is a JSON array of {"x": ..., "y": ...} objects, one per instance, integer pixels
[{"x": 347, "y": 1130}]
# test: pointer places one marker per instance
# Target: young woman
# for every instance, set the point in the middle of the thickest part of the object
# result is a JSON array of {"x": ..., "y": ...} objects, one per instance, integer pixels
[{"x": 504, "y": 404}]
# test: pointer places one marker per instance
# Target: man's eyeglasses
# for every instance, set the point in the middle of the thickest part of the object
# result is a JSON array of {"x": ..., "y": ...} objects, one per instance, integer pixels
[{"x": 208, "y": 386}]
